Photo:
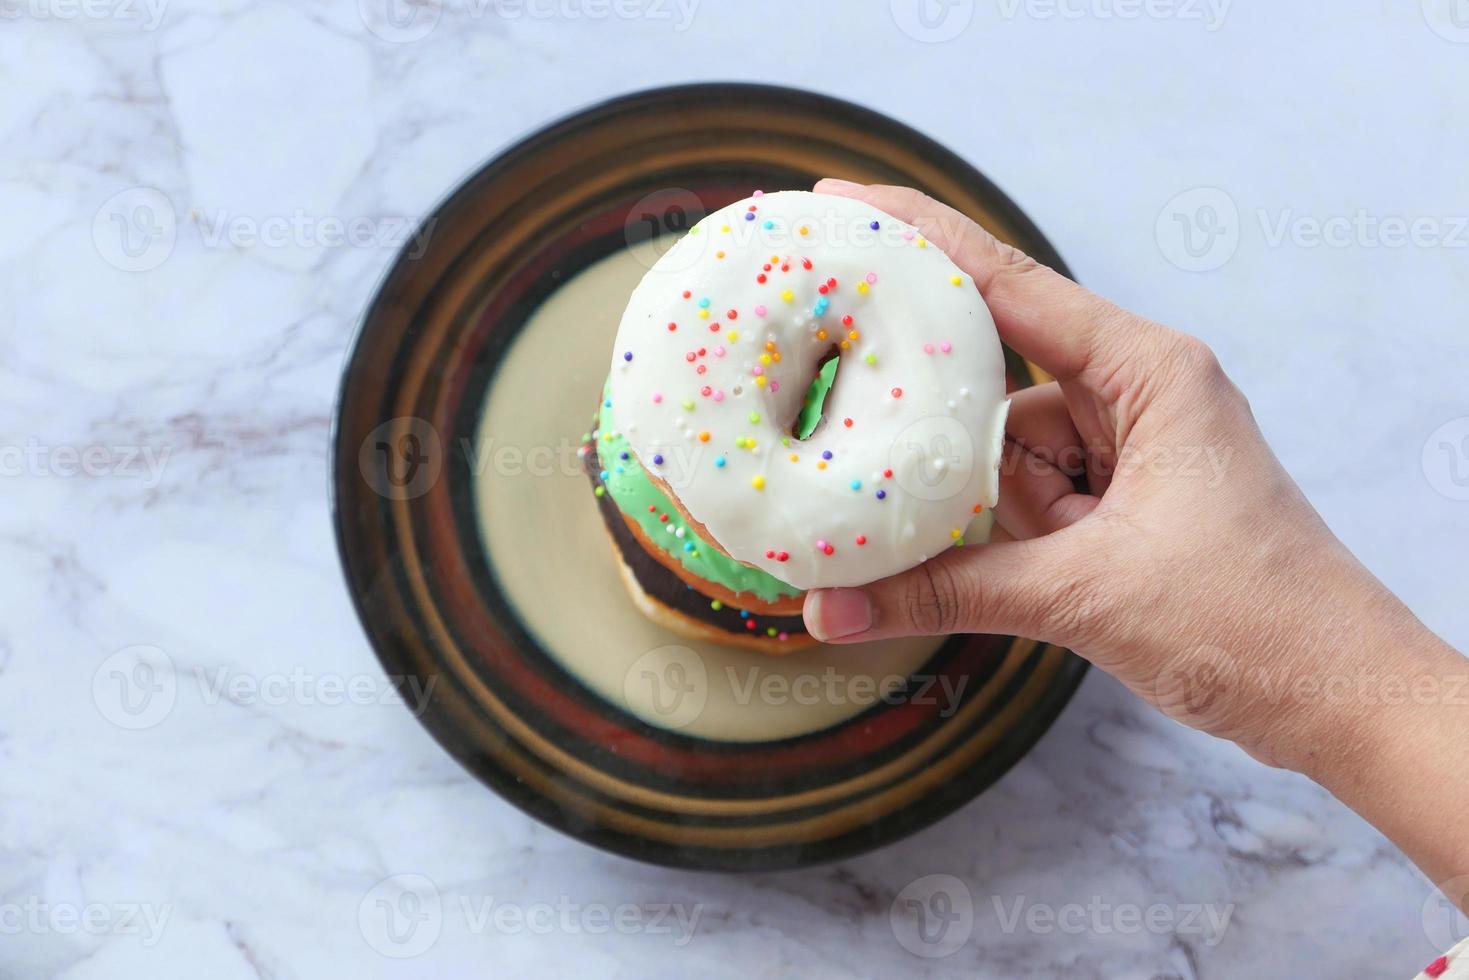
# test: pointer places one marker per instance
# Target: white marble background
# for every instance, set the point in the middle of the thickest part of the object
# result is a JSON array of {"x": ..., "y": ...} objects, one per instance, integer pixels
[{"x": 164, "y": 406}]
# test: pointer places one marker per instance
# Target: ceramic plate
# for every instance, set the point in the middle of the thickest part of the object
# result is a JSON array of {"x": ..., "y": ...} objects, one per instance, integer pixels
[{"x": 479, "y": 565}]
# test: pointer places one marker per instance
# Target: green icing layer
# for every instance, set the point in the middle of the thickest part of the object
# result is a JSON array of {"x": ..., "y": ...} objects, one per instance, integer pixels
[
  {"x": 634, "y": 493},
  {"x": 815, "y": 399}
]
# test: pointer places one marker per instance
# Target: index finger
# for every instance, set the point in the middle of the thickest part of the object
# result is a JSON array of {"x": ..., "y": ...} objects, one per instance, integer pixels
[{"x": 1067, "y": 330}]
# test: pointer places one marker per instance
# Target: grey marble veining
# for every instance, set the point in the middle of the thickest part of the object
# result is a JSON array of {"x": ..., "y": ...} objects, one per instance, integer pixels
[{"x": 175, "y": 302}]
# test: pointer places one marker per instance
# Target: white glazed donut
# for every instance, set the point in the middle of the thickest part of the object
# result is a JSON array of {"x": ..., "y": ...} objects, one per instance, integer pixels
[{"x": 720, "y": 343}]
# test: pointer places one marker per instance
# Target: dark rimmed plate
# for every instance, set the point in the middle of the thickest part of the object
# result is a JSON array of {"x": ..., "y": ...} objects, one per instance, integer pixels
[{"x": 440, "y": 606}]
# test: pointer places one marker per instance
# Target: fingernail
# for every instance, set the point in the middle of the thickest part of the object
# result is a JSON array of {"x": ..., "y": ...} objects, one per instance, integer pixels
[
  {"x": 833, "y": 614},
  {"x": 836, "y": 185}
]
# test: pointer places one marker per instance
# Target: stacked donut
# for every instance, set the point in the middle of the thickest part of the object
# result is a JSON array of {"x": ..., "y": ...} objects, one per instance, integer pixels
[{"x": 804, "y": 393}]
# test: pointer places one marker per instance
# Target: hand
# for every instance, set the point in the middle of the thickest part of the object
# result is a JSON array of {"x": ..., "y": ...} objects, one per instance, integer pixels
[{"x": 1145, "y": 524}]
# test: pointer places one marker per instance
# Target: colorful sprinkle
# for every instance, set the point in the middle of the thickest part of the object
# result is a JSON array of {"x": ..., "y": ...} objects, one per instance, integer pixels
[
  {"x": 861, "y": 539},
  {"x": 882, "y": 494},
  {"x": 657, "y": 459},
  {"x": 719, "y": 461},
  {"x": 758, "y": 482}
]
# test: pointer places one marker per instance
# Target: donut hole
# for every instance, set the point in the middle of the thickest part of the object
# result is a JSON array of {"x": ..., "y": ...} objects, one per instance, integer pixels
[{"x": 813, "y": 403}]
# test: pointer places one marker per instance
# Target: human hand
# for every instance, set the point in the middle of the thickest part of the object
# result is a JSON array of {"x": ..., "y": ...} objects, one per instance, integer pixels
[{"x": 1145, "y": 524}]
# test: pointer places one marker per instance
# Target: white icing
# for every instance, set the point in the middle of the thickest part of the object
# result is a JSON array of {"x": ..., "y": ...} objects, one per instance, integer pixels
[{"x": 933, "y": 340}]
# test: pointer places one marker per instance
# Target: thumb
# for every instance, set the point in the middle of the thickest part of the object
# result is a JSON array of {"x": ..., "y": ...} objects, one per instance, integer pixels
[{"x": 1018, "y": 588}]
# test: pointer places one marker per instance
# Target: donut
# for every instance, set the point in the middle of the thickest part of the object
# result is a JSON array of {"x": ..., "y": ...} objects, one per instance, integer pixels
[
  {"x": 814, "y": 389},
  {"x": 672, "y": 576}
]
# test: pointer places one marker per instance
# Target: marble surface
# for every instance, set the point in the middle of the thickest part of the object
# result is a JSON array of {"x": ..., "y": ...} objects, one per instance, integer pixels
[{"x": 196, "y": 197}]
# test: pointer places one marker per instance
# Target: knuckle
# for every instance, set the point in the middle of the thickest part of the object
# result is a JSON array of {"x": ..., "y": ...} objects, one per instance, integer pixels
[
  {"x": 1198, "y": 369},
  {"x": 933, "y": 599},
  {"x": 1196, "y": 360},
  {"x": 1012, "y": 261}
]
